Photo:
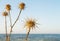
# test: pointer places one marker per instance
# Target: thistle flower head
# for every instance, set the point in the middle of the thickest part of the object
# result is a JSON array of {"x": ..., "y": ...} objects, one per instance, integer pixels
[
  {"x": 30, "y": 24},
  {"x": 21, "y": 5},
  {"x": 5, "y": 13},
  {"x": 8, "y": 7}
]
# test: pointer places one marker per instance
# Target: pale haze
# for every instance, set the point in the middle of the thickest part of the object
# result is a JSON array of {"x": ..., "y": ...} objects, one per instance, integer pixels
[{"x": 46, "y": 12}]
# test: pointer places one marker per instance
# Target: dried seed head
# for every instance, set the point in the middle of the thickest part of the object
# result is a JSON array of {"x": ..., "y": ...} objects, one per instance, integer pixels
[
  {"x": 5, "y": 13},
  {"x": 8, "y": 7},
  {"x": 30, "y": 24},
  {"x": 21, "y": 5}
]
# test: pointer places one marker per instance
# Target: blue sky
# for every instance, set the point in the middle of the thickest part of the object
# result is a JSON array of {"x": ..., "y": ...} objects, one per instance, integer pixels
[{"x": 47, "y": 13}]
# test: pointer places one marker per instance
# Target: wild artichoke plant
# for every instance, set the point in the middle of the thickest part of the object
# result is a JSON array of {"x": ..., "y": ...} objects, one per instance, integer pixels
[
  {"x": 7, "y": 13},
  {"x": 30, "y": 24}
]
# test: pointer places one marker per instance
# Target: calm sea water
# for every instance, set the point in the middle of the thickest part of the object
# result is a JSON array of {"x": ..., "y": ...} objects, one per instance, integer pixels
[{"x": 32, "y": 37}]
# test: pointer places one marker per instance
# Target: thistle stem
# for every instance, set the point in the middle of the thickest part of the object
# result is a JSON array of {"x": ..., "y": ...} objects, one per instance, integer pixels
[
  {"x": 6, "y": 28},
  {"x": 16, "y": 19},
  {"x": 10, "y": 19},
  {"x": 10, "y": 24},
  {"x": 27, "y": 34}
]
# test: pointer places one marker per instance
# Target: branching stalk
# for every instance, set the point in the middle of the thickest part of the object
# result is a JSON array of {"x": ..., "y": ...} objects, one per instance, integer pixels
[{"x": 15, "y": 21}]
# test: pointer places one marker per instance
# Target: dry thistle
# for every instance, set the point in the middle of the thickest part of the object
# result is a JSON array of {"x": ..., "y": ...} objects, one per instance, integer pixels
[
  {"x": 21, "y": 5},
  {"x": 30, "y": 24},
  {"x": 8, "y": 7},
  {"x": 5, "y": 13}
]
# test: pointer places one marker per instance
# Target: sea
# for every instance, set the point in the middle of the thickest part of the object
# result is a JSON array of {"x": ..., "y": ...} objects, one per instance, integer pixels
[{"x": 32, "y": 37}]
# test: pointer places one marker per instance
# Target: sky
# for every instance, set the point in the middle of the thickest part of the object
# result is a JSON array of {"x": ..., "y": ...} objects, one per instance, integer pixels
[{"x": 46, "y": 12}]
